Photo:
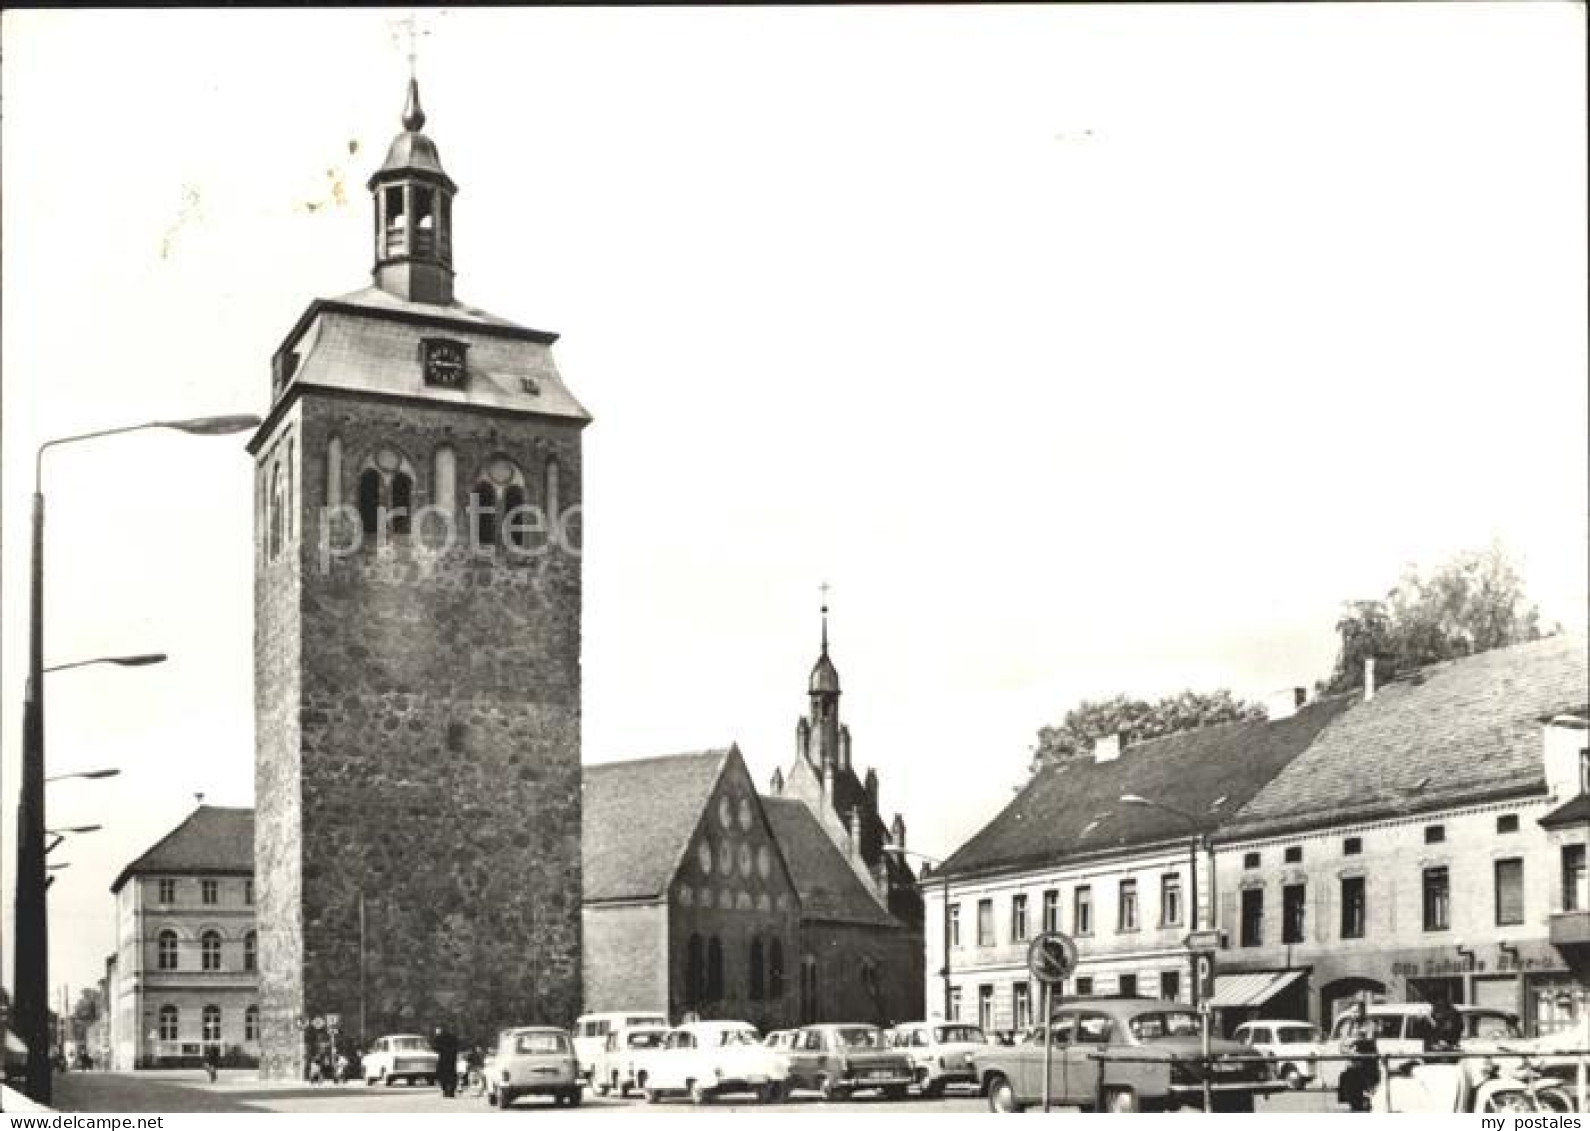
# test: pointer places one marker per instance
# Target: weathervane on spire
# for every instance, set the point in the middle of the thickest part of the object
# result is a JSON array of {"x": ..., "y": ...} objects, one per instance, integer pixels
[
  {"x": 824, "y": 588},
  {"x": 413, "y": 115}
]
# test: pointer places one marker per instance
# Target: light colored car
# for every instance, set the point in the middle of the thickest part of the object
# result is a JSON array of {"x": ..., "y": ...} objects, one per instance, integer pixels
[
  {"x": 591, "y": 1030},
  {"x": 621, "y": 1065},
  {"x": 1293, "y": 1044},
  {"x": 1149, "y": 1052},
  {"x": 707, "y": 1059},
  {"x": 839, "y": 1060},
  {"x": 781, "y": 1043},
  {"x": 408, "y": 1057},
  {"x": 533, "y": 1061},
  {"x": 940, "y": 1052}
]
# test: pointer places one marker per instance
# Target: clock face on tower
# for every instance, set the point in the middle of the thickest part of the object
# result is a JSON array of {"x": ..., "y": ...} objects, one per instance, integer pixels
[{"x": 442, "y": 361}]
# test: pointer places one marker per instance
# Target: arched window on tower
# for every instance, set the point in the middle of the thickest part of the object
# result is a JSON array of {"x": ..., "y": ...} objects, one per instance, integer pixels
[
  {"x": 500, "y": 489},
  {"x": 210, "y": 950},
  {"x": 424, "y": 221},
  {"x": 166, "y": 950},
  {"x": 714, "y": 969},
  {"x": 277, "y": 511},
  {"x": 758, "y": 986},
  {"x": 402, "y": 502},
  {"x": 775, "y": 970},
  {"x": 370, "y": 500},
  {"x": 483, "y": 512},
  {"x": 695, "y": 972},
  {"x": 516, "y": 524},
  {"x": 396, "y": 229}
]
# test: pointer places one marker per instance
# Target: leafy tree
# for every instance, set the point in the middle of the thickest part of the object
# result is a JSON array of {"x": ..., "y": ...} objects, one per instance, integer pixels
[
  {"x": 1137, "y": 720},
  {"x": 89, "y": 1005},
  {"x": 1472, "y": 603}
]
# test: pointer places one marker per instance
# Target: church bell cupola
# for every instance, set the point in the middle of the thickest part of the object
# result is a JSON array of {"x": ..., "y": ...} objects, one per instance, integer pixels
[{"x": 414, "y": 214}]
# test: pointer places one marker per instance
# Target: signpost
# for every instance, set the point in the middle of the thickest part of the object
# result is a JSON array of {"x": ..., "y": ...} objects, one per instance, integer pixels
[
  {"x": 1051, "y": 959},
  {"x": 1204, "y": 993}
]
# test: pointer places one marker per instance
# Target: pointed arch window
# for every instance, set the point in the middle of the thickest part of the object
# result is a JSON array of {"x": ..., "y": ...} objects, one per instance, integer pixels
[
  {"x": 386, "y": 494},
  {"x": 499, "y": 506},
  {"x": 808, "y": 1001},
  {"x": 758, "y": 978},
  {"x": 714, "y": 969}
]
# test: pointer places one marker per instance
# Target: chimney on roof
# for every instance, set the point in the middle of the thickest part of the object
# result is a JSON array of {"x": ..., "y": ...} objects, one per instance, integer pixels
[
  {"x": 776, "y": 786},
  {"x": 1369, "y": 678},
  {"x": 1107, "y": 748},
  {"x": 897, "y": 831},
  {"x": 1285, "y": 703}
]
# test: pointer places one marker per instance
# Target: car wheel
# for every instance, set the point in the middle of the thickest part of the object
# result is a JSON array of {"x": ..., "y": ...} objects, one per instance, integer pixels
[
  {"x": 1120, "y": 1101},
  {"x": 829, "y": 1090},
  {"x": 1291, "y": 1077},
  {"x": 1239, "y": 1104},
  {"x": 699, "y": 1093},
  {"x": 505, "y": 1099},
  {"x": 491, "y": 1099},
  {"x": 1509, "y": 1101},
  {"x": 1002, "y": 1097},
  {"x": 772, "y": 1093},
  {"x": 653, "y": 1095},
  {"x": 897, "y": 1092},
  {"x": 574, "y": 1096},
  {"x": 1554, "y": 1099},
  {"x": 932, "y": 1089},
  {"x": 386, "y": 1079}
]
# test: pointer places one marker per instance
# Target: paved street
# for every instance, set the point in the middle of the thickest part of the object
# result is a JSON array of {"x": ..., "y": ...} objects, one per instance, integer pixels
[{"x": 240, "y": 1091}]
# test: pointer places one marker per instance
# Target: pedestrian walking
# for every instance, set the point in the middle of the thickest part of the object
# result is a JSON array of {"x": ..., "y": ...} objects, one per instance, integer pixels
[
  {"x": 343, "y": 1064},
  {"x": 212, "y": 1061},
  {"x": 1359, "y": 1078},
  {"x": 446, "y": 1046}
]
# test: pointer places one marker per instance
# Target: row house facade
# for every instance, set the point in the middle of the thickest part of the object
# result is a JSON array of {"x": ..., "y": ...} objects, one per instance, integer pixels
[
  {"x": 184, "y": 974},
  {"x": 1069, "y": 854},
  {"x": 1424, "y": 848}
]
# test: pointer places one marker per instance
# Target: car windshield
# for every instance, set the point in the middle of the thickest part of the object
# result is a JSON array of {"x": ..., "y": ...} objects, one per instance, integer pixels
[
  {"x": 859, "y": 1038},
  {"x": 648, "y": 1039},
  {"x": 958, "y": 1034},
  {"x": 643, "y": 1020},
  {"x": 1491, "y": 1025},
  {"x": 410, "y": 1044},
  {"x": 1296, "y": 1035},
  {"x": 1157, "y": 1026},
  {"x": 540, "y": 1044},
  {"x": 738, "y": 1037}
]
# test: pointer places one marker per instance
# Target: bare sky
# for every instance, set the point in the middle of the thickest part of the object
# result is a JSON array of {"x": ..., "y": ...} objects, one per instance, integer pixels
[{"x": 1082, "y": 350}]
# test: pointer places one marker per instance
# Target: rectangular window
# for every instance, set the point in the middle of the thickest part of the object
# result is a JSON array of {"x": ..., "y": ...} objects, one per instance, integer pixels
[
  {"x": 955, "y": 924},
  {"x": 1170, "y": 900},
  {"x": 1126, "y": 917},
  {"x": 985, "y": 922},
  {"x": 1507, "y": 823},
  {"x": 1294, "y": 899},
  {"x": 1509, "y": 892},
  {"x": 248, "y": 892},
  {"x": 1293, "y": 855},
  {"x": 1437, "y": 899},
  {"x": 1018, "y": 918},
  {"x": 955, "y": 1003},
  {"x": 1170, "y": 985},
  {"x": 1082, "y": 910},
  {"x": 1051, "y": 910},
  {"x": 1434, "y": 834},
  {"x": 1084, "y": 987},
  {"x": 1575, "y": 897},
  {"x": 1252, "y": 917},
  {"x": 1352, "y": 846},
  {"x": 1128, "y": 985},
  {"x": 168, "y": 891},
  {"x": 209, "y": 891},
  {"x": 1354, "y": 907},
  {"x": 1021, "y": 1005},
  {"x": 1250, "y": 860},
  {"x": 985, "y": 1008}
]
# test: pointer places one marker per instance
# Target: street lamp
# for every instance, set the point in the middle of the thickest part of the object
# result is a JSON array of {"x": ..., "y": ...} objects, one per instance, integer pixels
[
  {"x": 944, "y": 881},
  {"x": 142, "y": 660},
  {"x": 91, "y": 775},
  {"x": 62, "y": 834},
  {"x": 32, "y": 976}
]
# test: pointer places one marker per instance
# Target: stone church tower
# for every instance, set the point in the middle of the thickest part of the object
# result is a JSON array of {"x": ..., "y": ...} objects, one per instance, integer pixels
[{"x": 417, "y": 651}]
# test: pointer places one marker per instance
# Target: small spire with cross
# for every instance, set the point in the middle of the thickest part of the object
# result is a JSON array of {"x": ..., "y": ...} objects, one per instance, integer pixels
[{"x": 824, "y": 588}]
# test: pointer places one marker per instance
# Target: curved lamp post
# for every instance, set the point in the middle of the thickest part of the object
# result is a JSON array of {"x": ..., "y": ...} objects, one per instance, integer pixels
[
  {"x": 90, "y": 775},
  {"x": 32, "y": 976},
  {"x": 938, "y": 865}
]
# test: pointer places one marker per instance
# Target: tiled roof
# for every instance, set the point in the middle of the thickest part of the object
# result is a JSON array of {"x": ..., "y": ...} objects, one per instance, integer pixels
[
  {"x": 638, "y": 818},
  {"x": 212, "y": 841},
  {"x": 1574, "y": 812},
  {"x": 1463, "y": 730},
  {"x": 1074, "y": 808},
  {"x": 829, "y": 889}
]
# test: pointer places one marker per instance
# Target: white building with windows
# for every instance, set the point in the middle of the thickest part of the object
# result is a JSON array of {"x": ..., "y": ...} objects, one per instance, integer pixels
[
  {"x": 184, "y": 973},
  {"x": 1068, "y": 854},
  {"x": 1429, "y": 844}
]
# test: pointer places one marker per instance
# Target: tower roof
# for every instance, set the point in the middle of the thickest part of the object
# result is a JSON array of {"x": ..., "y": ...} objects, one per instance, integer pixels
[
  {"x": 825, "y": 677},
  {"x": 412, "y": 151}
]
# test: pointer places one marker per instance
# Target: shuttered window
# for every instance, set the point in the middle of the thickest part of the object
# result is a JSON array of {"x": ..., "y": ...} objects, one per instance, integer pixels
[{"x": 1509, "y": 892}]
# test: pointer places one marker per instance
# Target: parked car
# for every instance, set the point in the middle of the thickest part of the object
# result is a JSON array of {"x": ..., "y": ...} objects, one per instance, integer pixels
[
  {"x": 707, "y": 1059},
  {"x": 406, "y": 1057},
  {"x": 781, "y": 1042},
  {"x": 620, "y": 1065},
  {"x": 940, "y": 1053},
  {"x": 534, "y": 1061},
  {"x": 1123, "y": 1054},
  {"x": 838, "y": 1060},
  {"x": 1294, "y": 1045},
  {"x": 591, "y": 1030}
]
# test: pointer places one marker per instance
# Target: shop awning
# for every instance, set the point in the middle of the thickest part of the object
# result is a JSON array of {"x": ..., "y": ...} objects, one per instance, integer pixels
[{"x": 1246, "y": 991}]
